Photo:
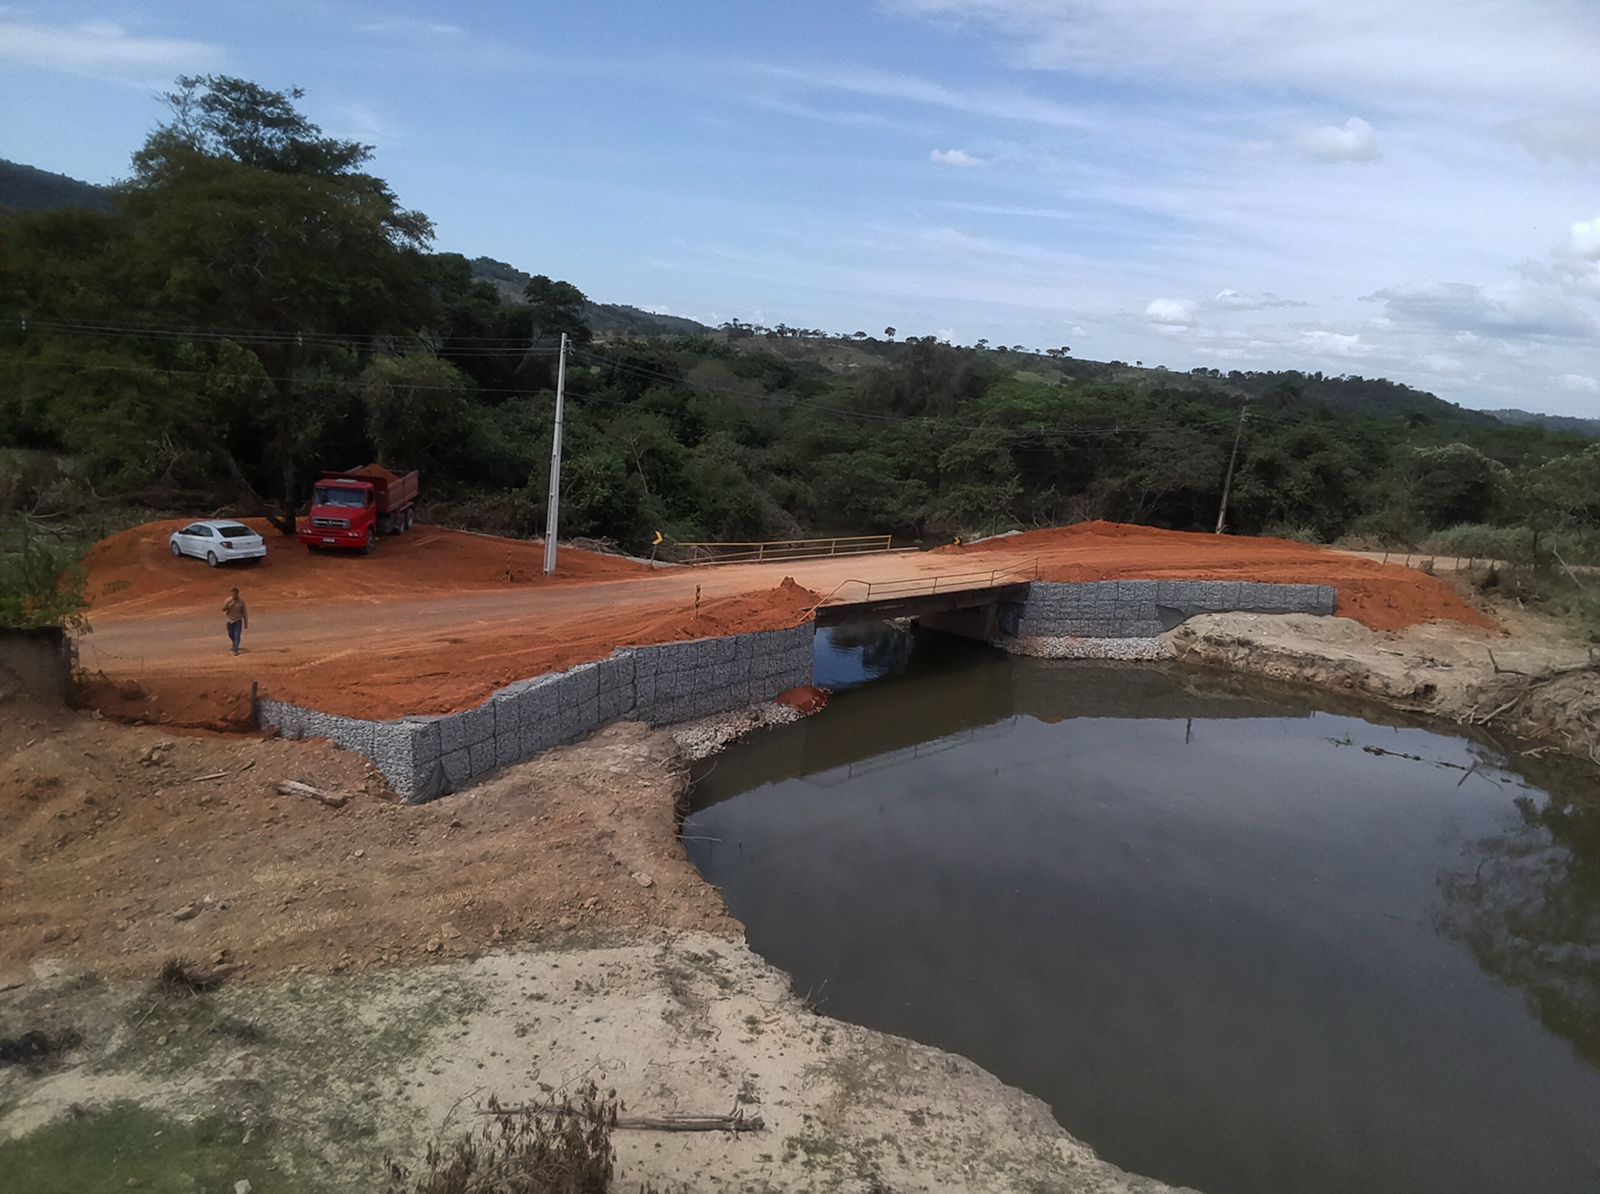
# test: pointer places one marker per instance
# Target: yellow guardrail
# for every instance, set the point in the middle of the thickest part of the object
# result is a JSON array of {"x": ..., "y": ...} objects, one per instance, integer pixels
[{"x": 784, "y": 549}]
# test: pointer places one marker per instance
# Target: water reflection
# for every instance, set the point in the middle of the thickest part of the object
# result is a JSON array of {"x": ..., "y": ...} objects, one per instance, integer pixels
[
  {"x": 1204, "y": 919},
  {"x": 1526, "y": 902}
]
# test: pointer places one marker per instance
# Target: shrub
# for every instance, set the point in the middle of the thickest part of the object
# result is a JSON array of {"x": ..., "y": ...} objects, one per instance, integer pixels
[
  {"x": 1517, "y": 544},
  {"x": 558, "y": 1147},
  {"x": 41, "y": 583}
]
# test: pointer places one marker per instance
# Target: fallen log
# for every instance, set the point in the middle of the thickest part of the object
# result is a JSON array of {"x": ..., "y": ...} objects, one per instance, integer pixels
[
  {"x": 738, "y": 1122},
  {"x": 694, "y": 1123},
  {"x": 293, "y": 787}
]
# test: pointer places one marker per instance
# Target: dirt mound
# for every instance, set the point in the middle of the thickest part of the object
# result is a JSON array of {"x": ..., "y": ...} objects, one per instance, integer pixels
[
  {"x": 785, "y": 605},
  {"x": 805, "y": 700},
  {"x": 140, "y": 844},
  {"x": 1382, "y": 596},
  {"x": 135, "y": 574}
]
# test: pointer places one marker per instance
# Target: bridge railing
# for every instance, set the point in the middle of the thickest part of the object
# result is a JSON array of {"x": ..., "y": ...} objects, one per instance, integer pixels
[
  {"x": 785, "y": 549},
  {"x": 928, "y": 586}
]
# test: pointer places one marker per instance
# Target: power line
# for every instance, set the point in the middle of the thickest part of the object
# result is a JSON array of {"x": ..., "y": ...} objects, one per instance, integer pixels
[{"x": 173, "y": 333}]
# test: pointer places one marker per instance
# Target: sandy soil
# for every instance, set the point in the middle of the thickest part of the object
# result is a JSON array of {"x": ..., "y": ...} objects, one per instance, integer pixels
[
  {"x": 124, "y": 845},
  {"x": 336, "y": 1073},
  {"x": 390, "y": 966},
  {"x": 1536, "y": 682},
  {"x": 433, "y": 625}
]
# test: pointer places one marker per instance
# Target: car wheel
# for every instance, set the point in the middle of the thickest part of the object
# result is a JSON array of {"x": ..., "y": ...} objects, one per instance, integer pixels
[
  {"x": 211, "y": 558},
  {"x": 176, "y": 550}
]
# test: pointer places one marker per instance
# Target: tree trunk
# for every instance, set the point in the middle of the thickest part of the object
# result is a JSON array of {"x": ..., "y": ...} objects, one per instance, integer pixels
[{"x": 283, "y": 419}]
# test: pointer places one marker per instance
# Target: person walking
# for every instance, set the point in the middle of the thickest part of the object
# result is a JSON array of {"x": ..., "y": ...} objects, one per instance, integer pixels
[{"x": 238, "y": 619}]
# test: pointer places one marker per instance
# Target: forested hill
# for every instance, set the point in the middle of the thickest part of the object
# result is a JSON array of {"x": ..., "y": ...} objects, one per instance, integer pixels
[
  {"x": 604, "y": 319},
  {"x": 1527, "y": 418},
  {"x": 123, "y": 332},
  {"x": 27, "y": 188}
]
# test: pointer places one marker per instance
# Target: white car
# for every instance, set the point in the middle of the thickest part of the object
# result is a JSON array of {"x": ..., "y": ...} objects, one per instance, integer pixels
[{"x": 218, "y": 542}]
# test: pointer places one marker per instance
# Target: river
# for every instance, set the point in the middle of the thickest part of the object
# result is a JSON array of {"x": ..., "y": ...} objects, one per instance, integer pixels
[{"x": 1238, "y": 937}]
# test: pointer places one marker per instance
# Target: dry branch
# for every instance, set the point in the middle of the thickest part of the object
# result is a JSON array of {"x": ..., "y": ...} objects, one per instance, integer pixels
[
  {"x": 737, "y": 1122},
  {"x": 292, "y": 787}
]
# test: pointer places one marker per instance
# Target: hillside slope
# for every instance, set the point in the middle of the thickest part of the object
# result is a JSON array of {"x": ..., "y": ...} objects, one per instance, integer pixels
[{"x": 27, "y": 188}]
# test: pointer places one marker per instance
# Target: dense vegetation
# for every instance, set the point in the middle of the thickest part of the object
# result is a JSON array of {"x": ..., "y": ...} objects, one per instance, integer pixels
[{"x": 255, "y": 306}]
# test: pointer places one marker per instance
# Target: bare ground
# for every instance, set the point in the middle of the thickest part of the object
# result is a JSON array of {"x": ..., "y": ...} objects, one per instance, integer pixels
[
  {"x": 1536, "y": 682},
  {"x": 333, "y": 1073},
  {"x": 123, "y": 845},
  {"x": 388, "y": 966}
]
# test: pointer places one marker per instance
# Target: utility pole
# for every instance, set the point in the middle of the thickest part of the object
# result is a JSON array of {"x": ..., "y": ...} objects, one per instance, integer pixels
[
  {"x": 1227, "y": 485},
  {"x": 553, "y": 508}
]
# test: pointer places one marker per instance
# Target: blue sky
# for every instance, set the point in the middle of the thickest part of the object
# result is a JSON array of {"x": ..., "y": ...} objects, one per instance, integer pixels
[{"x": 1410, "y": 191}]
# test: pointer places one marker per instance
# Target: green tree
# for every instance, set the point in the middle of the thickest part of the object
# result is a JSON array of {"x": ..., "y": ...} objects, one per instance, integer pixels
[
  {"x": 245, "y": 217},
  {"x": 558, "y": 307},
  {"x": 416, "y": 410}
]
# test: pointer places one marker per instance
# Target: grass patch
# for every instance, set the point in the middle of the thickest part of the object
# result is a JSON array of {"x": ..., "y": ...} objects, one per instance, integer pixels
[{"x": 124, "y": 1147}]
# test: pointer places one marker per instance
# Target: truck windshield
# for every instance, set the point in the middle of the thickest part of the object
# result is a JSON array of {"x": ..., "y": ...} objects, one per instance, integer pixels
[{"x": 352, "y": 498}]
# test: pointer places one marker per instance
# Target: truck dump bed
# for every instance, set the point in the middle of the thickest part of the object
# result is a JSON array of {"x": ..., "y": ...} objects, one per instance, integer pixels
[{"x": 392, "y": 491}]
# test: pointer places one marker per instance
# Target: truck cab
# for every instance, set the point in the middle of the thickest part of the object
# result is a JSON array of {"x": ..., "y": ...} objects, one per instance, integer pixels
[
  {"x": 343, "y": 514},
  {"x": 352, "y": 508}
]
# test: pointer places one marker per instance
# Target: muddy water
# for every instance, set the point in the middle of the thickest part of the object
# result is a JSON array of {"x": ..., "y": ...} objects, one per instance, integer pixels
[{"x": 1237, "y": 939}]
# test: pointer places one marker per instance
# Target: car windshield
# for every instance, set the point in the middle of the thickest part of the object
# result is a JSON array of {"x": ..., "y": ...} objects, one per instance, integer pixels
[
  {"x": 353, "y": 498},
  {"x": 234, "y": 530}
]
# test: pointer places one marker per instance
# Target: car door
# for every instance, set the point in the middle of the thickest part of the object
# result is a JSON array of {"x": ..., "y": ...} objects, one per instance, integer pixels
[
  {"x": 198, "y": 540},
  {"x": 185, "y": 540}
]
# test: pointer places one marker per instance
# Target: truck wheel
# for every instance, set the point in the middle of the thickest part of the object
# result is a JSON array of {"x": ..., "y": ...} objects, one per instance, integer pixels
[
  {"x": 211, "y": 558},
  {"x": 366, "y": 548}
]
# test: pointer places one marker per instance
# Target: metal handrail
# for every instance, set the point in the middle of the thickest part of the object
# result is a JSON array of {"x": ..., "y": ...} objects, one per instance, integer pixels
[{"x": 785, "y": 549}]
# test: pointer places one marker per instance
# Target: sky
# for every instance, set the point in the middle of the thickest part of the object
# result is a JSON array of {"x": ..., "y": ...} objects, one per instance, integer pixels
[{"x": 1401, "y": 190}]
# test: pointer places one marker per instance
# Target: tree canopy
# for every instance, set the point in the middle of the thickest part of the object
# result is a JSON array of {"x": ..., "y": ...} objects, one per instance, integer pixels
[{"x": 258, "y": 305}]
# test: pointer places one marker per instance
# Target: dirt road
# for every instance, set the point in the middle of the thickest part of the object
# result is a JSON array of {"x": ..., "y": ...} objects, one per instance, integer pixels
[{"x": 436, "y": 621}]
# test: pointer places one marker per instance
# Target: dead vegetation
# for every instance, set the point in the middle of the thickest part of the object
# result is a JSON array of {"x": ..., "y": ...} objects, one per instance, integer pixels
[
  {"x": 1559, "y": 707},
  {"x": 560, "y": 1146},
  {"x": 37, "y": 1049},
  {"x": 180, "y": 978}
]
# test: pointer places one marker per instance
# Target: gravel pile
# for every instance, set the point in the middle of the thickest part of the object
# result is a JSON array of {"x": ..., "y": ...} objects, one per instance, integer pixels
[
  {"x": 1129, "y": 649},
  {"x": 706, "y": 736}
]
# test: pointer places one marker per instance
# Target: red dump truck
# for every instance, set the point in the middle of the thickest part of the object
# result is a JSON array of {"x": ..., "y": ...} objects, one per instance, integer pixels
[{"x": 351, "y": 509}]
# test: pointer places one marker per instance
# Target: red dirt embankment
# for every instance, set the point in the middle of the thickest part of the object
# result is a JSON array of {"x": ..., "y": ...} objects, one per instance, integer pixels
[
  {"x": 132, "y": 573},
  {"x": 435, "y": 621},
  {"x": 1382, "y": 596}
]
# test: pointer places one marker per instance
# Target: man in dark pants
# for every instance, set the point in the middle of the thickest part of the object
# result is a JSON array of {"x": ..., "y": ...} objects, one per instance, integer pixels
[{"x": 238, "y": 619}]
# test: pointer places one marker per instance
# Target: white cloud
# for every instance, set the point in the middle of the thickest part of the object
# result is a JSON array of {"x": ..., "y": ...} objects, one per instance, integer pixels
[
  {"x": 1575, "y": 138},
  {"x": 410, "y": 27},
  {"x": 103, "y": 49},
  {"x": 1167, "y": 312},
  {"x": 363, "y": 122},
  {"x": 1529, "y": 51},
  {"x": 1004, "y": 104},
  {"x": 955, "y": 157},
  {"x": 1577, "y": 383},
  {"x": 1518, "y": 308},
  {"x": 1229, "y": 299},
  {"x": 1584, "y": 240},
  {"x": 1353, "y": 141},
  {"x": 1334, "y": 344}
]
